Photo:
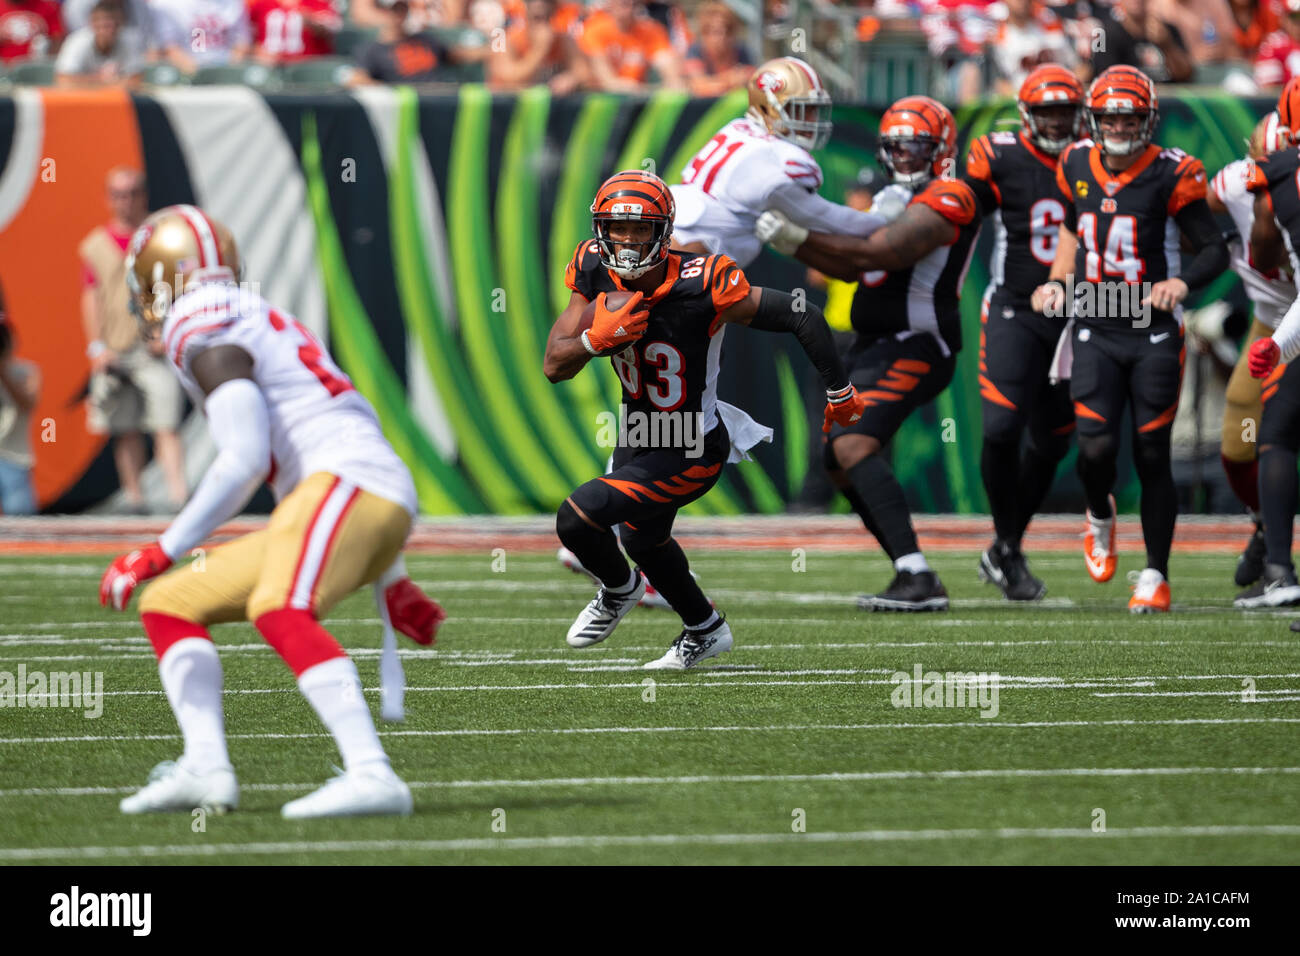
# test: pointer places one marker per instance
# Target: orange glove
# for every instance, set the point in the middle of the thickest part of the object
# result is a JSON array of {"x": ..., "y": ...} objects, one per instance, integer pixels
[
  {"x": 127, "y": 572},
  {"x": 844, "y": 407},
  {"x": 1263, "y": 356},
  {"x": 413, "y": 612},
  {"x": 611, "y": 330}
]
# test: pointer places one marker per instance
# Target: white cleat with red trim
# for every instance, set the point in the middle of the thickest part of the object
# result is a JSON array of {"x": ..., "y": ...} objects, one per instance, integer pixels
[{"x": 174, "y": 787}]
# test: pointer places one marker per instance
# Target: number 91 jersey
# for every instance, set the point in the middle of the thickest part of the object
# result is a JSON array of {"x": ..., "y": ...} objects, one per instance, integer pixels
[
  {"x": 318, "y": 420},
  {"x": 1015, "y": 182},
  {"x": 674, "y": 366},
  {"x": 1125, "y": 221}
]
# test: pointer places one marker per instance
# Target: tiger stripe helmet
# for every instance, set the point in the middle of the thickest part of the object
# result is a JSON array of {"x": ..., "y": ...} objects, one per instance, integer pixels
[
  {"x": 1123, "y": 91},
  {"x": 638, "y": 196},
  {"x": 786, "y": 96},
  {"x": 1288, "y": 112},
  {"x": 1050, "y": 85},
  {"x": 920, "y": 133},
  {"x": 173, "y": 249}
]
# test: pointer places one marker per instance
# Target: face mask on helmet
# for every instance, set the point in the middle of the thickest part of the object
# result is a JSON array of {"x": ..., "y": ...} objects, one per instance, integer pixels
[
  {"x": 631, "y": 256},
  {"x": 806, "y": 120},
  {"x": 909, "y": 159},
  {"x": 1054, "y": 127},
  {"x": 1124, "y": 144}
]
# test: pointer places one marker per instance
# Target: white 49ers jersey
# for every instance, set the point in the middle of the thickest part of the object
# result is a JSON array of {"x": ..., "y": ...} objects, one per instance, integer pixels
[
  {"x": 319, "y": 421},
  {"x": 1271, "y": 295},
  {"x": 730, "y": 182}
]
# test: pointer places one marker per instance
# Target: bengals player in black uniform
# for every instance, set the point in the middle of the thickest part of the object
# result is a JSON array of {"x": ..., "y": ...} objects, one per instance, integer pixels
[
  {"x": 1273, "y": 180},
  {"x": 666, "y": 345},
  {"x": 1126, "y": 200},
  {"x": 1013, "y": 175},
  {"x": 908, "y": 324}
]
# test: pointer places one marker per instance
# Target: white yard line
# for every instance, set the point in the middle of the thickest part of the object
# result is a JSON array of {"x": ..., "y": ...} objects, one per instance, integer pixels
[
  {"x": 648, "y": 840},
  {"x": 973, "y": 723},
  {"x": 698, "y": 779}
]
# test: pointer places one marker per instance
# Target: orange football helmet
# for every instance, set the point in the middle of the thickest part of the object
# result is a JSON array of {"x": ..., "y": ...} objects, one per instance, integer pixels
[
  {"x": 1288, "y": 112},
  {"x": 1051, "y": 85},
  {"x": 918, "y": 133},
  {"x": 1123, "y": 91},
  {"x": 172, "y": 249},
  {"x": 787, "y": 97},
  {"x": 633, "y": 196}
]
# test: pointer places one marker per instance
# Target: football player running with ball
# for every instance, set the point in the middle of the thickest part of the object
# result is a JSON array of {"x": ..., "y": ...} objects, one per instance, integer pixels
[
  {"x": 907, "y": 318},
  {"x": 1013, "y": 175},
  {"x": 661, "y": 315},
  {"x": 1126, "y": 201},
  {"x": 279, "y": 410}
]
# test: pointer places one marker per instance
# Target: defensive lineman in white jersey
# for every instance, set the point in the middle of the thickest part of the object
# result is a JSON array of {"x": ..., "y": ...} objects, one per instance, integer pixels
[
  {"x": 279, "y": 410},
  {"x": 764, "y": 161}
]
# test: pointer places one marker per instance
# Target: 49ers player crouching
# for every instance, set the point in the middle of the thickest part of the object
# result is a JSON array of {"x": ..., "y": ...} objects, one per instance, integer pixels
[{"x": 278, "y": 410}]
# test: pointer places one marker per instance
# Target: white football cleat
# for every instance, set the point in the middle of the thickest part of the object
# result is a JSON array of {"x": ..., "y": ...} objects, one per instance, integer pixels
[
  {"x": 356, "y": 794},
  {"x": 599, "y": 618},
  {"x": 691, "y": 647},
  {"x": 173, "y": 786},
  {"x": 570, "y": 561}
]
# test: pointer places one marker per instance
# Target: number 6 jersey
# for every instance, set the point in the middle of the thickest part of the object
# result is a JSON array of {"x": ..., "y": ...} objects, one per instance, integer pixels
[
  {"x": 1015, "y": 182},
  {"x": 319, "y": 421},
  {"x": 674, "y": 365}
]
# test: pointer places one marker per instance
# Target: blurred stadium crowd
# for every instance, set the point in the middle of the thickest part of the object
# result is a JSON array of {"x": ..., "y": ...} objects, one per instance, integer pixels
[{"x": 866, "y": 49}]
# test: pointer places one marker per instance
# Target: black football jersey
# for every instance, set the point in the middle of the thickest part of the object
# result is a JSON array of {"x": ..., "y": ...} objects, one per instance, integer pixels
[
  {"x": 1125, "y": 223},
  {"x": 674, "y": 365},
  {"x": 926, "y": 296},
  {"x": 1015, "y": 183},
  {"x": 1276, "y": 174}
]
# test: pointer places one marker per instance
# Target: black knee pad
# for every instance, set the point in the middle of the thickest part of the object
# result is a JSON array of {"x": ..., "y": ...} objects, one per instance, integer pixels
[
  {"x": 1097, "y": 448},
  {"x": 569, "y": 524},
  {"x": 1151, "y": 454},
  {"x": 1002, "y": 426}
]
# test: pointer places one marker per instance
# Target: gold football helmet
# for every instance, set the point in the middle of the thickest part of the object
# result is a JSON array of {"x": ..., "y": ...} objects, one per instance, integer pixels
[
  {"x": 174, "y": 248},
  {"x": 786, "y": 96}
]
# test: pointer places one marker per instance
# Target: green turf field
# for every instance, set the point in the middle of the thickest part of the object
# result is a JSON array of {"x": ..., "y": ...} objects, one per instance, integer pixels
[{"x": 1141, "y": 718}]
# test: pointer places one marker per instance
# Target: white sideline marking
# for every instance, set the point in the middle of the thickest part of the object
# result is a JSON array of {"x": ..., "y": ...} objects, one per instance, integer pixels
[
  {"x": 833, "y": 777},
  {"x": 657, "y": 839},
  {"x": 775, "y": 728},
  {"x": 1266, "y": 694}
]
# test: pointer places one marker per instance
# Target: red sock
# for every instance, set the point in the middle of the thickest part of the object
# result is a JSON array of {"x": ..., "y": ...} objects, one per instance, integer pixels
[
  {"x": 298, "y": 638},
  {"x": 1243, "y": 476},
  {"x": 164, "y": 630}
]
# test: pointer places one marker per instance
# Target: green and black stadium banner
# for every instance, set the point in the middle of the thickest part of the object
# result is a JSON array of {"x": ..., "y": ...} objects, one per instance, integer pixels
[{"x": 425, "y": 238}]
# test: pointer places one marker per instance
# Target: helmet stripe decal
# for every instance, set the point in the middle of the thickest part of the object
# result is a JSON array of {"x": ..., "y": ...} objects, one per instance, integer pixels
[
  {"x": 813, "y": 78},
  {"x": 204, "y": 235}
]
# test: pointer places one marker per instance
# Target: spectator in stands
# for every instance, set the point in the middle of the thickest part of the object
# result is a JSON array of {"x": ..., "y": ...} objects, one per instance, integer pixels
[
  {"x": 105, "y": 52},
  {"x": 957, "y": 32},
  {"x": 404, "y": 55},
  {"x": 1205, "y": 25},
  {"x": 136, "y": 15},
  {"x": 1134, "y": 36},
  {"x": 717, "y": 61},
  {"x": 132, "y": 389},
  {"x": 670, "y": 16},
  {"x": 422, "y": 14},
  {"x": 1030, "y": 36},
  {"x": 20, "y": 389},
  {"x": 285, "y": 31},
  {"x": 538, "y": 48},
  {"x": 1252, "y": 21},
  {"x": 624, "y": 44},
  {"x": 1279, "y": 55},
  {"x": 29, "y": 28},
  {"x": 197, "y": 33}
]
